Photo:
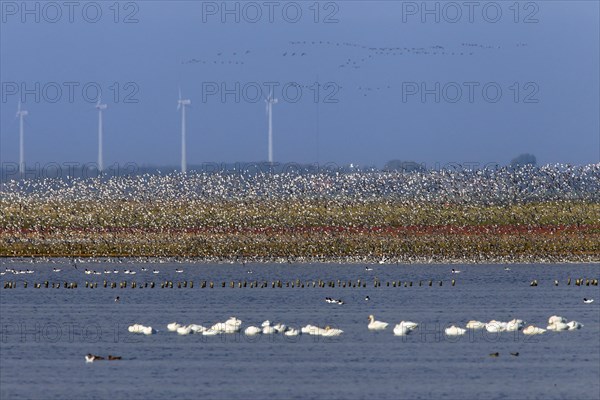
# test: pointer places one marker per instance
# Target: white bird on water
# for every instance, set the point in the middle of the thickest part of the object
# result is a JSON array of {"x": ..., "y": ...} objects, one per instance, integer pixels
[
  {"x": 475, "y": 324},
  {"x": 455, "y": 331},
  {"x": 253, "y": 330},
  {"x": 376, "y": 325},
  {"x": 404, "y": 328},
  {"x": 588, "y": 301},
  {"x": 533, "y": 330},
  {"x": 173, "y": 326}
]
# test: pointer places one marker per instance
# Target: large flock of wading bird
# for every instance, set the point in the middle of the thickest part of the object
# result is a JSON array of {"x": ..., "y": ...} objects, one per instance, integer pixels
[{"x": 226, "y": 213}]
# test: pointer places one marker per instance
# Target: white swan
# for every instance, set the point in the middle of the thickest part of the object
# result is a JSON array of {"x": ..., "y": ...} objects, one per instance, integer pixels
[
  {"x": 135, "y": 328},
  {"x": 219, "y": 327},
  {"x": 232, "y": 325},
  {"x": 210, "y": 332},
  {"x": 147, "y": 330},
  {"x": 376, "y": 325},
  {"x": 495, "y": 326},
  {"x": 472, "y": 324},
  {"x": 197, "y": 328},
  {"x": 586, "y": 301},
  {"x": 184, "y": 330},
  {"x": 266, "y": 323},
  {"x": 253, "y": 330},
  {"x": 555, "y": 318},
  {"x": 280, "y": 328},
  {"x": 291, "y": 332},
  {"x": 455, "y": 331},
  {"x": 404, "y": 328},
  {"x": 557, "y": 326},
  {"x": 268, "y": 330},
  {"x": 328, "y": 331},
  {"x": 533, "y": 330},
  {"x": 173, "y": 326},
  {"x": 139, "y": 328},
  {"x": 514, "y": 325},
  {"x": 307, "y": 329},
  {"x": 233, "y": 321},
  {"x": 573, "y": 325}
]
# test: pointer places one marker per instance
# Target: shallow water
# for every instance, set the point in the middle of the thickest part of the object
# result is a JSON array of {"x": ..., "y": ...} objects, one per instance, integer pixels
[{"x": 47, "y": 332}]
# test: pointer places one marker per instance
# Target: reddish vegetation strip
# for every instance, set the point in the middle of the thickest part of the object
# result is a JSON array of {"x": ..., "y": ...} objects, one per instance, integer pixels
[{"x": 388, "y": 230}]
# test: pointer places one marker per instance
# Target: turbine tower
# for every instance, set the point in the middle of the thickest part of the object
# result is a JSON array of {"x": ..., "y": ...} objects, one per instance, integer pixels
[
  {"x": 270, "y": 101},
  {"x": 21, "y": 114},
  {"x": 182, "y": 103},
  {"x": 101, "y": 107}
]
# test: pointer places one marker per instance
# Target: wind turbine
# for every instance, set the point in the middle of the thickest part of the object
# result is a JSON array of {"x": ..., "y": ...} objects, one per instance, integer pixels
[
  {"x": 182, "y": 103},
  {"x": 270, "y": 101},
  {"x": 101, "y": 107},
  {"x": 21, "y": 114}
]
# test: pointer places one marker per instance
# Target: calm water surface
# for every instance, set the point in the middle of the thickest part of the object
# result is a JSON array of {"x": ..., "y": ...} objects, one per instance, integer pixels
[{"x": 47, "y": 332}]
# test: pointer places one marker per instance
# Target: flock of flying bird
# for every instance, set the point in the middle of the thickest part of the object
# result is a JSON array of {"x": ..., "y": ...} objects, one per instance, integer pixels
[
  {"x": 351, "y": 55},
  {"x": 501, "y": 186}
]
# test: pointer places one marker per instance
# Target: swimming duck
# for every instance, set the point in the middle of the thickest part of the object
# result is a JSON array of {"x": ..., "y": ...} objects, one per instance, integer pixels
[{"x": 91, "y": 358}]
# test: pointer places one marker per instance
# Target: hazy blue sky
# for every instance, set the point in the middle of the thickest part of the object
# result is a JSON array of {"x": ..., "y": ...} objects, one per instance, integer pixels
[{"x": 554, "y": 63}]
